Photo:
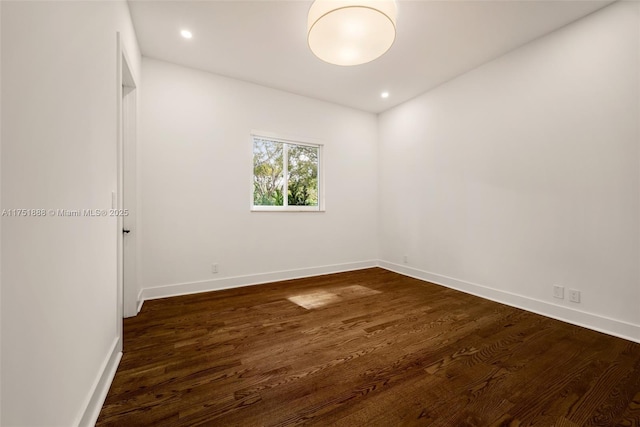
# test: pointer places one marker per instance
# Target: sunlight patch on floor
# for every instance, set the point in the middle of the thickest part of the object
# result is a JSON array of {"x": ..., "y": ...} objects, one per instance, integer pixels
[
  {"x": 314, "y": 300},
  {"x": 317, "y": 299}
]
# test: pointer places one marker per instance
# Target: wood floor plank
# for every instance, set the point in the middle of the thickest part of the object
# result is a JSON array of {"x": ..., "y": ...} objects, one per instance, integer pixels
[{"x": 372, "y": 348}]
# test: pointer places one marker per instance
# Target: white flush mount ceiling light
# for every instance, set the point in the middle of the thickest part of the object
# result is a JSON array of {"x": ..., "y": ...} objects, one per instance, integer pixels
[
  {"x": 351, "y": 32},
  {"x": 186, "y": 34}
]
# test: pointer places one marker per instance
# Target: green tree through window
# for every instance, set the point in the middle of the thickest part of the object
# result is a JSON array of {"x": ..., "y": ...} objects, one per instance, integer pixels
[
  {"x": 267, "y": 173},
  {"x": 285, "y": 174}
]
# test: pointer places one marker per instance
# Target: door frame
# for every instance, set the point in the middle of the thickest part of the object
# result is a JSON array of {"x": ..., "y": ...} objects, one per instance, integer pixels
[{"x": 126, "y": 141}]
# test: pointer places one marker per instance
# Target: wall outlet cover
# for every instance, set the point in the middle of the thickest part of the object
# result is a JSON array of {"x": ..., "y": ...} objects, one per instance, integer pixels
[
  {"x": 558, "y": 292},
  {"x": 574, "y": 295}
]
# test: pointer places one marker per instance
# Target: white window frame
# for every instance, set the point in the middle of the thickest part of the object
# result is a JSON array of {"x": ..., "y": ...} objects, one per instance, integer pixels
[{"x": 293, "y": 141}]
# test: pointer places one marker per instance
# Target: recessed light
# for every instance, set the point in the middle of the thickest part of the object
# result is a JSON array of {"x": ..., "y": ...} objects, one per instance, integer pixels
[
  {"x": 384, "y": 94},
  {"x": 186, "y": 34}
]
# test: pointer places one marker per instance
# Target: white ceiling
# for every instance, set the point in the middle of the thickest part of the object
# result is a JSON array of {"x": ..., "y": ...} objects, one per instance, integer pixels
[{"x": 264, "y": 42}]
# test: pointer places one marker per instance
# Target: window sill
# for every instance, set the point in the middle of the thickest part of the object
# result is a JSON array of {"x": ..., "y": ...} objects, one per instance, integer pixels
[{"x": 285, "y": 209}]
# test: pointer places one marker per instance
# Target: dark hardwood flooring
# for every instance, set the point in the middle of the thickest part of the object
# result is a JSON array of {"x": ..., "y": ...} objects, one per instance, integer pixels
[{"x": 383, "y": 350}]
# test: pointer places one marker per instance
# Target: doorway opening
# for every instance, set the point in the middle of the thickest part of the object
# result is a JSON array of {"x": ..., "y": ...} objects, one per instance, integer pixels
[{"x": 126, "y": 194}]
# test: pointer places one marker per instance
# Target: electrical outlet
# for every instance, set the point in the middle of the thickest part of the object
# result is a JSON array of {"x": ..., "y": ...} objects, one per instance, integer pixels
[
  {"x": 574, "y": 295},
  {"x": 405, "y": 259},
  {"x": 558, "y": 292},
  {"x": 214, "y": 268}
]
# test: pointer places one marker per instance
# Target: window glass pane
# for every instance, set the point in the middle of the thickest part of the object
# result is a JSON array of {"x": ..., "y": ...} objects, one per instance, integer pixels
[
  {"x": 268, "y": 173},
  {"x": 303, "y": 175}
]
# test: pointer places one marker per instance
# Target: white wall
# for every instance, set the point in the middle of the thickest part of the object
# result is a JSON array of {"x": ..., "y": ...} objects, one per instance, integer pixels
[
  {"x": 195, "y": 183},
  {"x": 524, "y": 173},
  {"x": 58, "y": 311}
]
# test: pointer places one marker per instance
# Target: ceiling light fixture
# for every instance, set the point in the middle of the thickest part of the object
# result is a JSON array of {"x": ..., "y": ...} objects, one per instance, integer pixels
[
  {"x": 186, "y": 34},
  {"x": 384, "y": 94},
  {"x": 351, "y": 32}
]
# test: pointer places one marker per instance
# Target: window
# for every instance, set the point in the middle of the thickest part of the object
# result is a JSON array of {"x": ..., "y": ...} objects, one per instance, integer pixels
[{"x": 286, "y": 175}]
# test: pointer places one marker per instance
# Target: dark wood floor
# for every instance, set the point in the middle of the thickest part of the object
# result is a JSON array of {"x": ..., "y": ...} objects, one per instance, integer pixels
[{"x": 383, "y": 350}]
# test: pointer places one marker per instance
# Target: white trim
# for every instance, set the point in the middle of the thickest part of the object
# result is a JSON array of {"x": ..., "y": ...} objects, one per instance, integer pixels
[
  {"x": 1, "y": 227},
  {"x": 101, "y": 385},
  {"x": 617, "y": 328},
  {"x": 286, "y": 141},
  {"x": 120, "y": 61},
  {"x": 286, "y": 209},
  {"x": 250, "y": 280},
  {"x": 140, "y": 301},
  {"x": 127, "y": 132}
]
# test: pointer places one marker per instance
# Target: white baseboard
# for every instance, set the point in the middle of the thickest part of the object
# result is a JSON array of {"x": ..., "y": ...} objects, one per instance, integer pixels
[
  {"x": 595, "y": 322},
  {"x": 250, "y": 280},
  {"x": 140, "y": 301},
  {"x": 100, "y": 388}
]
